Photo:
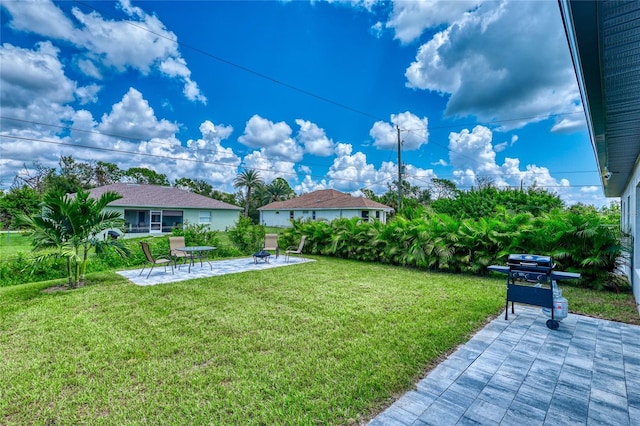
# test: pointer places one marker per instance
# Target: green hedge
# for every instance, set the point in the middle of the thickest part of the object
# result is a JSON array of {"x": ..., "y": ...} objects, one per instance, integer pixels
[{"x": 579, "y": 240}]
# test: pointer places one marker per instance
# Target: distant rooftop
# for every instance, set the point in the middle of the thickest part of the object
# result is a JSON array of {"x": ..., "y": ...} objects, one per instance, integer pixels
[
  {"x": 135, "y": 195},
  {"x": 326, "y": 199}
]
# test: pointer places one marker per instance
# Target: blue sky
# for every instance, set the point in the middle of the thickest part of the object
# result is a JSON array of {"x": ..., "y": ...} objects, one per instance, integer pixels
[{"x": 308, "y": 91}]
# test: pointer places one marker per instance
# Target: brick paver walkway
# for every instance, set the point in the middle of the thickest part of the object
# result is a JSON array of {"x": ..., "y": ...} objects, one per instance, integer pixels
[{"x": 518, "y": 372}]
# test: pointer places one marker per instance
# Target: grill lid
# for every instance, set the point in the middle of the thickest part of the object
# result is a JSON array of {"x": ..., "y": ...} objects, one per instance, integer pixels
[{"x": 532, "y": 262}]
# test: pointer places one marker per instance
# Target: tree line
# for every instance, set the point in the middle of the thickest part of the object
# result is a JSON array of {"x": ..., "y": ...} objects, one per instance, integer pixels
[
  {"x": 441, "y": 196},
  {"x": 30, "y": 186}
]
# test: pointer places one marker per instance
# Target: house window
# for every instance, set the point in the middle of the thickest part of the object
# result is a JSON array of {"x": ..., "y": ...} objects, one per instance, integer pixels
[
  {"x": 365, "y": 214},
  {"x": 313, "y": 214},
  {"x": 378, "y": 214},
  {"x": 205, "y": 217},
  {"x": 290, "y": 214}
]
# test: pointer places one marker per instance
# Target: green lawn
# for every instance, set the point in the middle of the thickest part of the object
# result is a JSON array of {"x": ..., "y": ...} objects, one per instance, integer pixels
[
  {"x": 12, "y": 242},
  {"x": 325, "y": 342}
]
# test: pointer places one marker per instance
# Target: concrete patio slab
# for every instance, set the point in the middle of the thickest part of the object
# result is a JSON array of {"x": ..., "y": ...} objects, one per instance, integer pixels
[{"x": 207, "y": 269}]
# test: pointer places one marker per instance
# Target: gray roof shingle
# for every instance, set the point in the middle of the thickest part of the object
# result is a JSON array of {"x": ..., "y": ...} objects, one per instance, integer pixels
[{"x": 134, "y": 195}]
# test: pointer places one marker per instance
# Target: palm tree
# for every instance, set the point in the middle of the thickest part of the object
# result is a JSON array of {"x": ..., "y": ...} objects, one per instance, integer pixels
[
  {"x": 69, "y": 226},
  {"x": 249, "y": 179},
  {"x": 277, "y": 190}
]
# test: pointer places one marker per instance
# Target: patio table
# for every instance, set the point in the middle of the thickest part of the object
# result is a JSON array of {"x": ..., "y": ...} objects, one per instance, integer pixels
[{"x": 197, "y": 252}]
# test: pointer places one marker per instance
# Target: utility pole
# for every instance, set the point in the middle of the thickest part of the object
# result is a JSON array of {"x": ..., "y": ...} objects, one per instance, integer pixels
[{"x": 399, "y": 169}]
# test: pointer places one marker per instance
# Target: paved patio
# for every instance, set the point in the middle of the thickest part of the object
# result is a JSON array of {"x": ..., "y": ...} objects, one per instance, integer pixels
[
  {"x": 218, "y": 267},
  {"x": 518, "y": 372}
]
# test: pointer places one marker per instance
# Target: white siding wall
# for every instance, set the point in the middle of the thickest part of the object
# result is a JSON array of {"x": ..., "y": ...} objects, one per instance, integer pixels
[
  {"x": 275, "y": 218},
  {"x": 224, "y": 219},
  {"x": 220, "y": 219},
  {"x": 630, "y": 217},
  {"x": 281, "y": 218}
]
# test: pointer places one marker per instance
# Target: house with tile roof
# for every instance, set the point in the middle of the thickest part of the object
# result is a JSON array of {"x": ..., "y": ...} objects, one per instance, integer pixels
[
  {"x": 326, "y": 204},
  {"x": 153, "y": 209}
]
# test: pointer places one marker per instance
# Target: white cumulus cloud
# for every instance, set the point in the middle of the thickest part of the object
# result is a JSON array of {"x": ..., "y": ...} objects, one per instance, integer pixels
[
  {"x": 268, "y": 168},
  {"x": 472, "y": 61},
  {"x": 314, "y": 139},
  {"x": 273, "y": 138},
  {"x": 133, "y": 117},
  {"x": 27, "y": 75},
  {"x": 141, "y": 43},
  {"x": 413, "y": 132},
  {"x": 409, "y": 19}
]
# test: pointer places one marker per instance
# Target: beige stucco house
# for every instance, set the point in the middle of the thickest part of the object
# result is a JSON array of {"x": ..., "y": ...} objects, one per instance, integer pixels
[
  {"x": 326, "y": 204},
  {"x": 152, "y": 209}
]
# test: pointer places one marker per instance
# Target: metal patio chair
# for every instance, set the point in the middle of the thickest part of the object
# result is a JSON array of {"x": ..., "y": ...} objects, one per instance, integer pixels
[
  {"x": 157, "y": 260},
  {"x": 294, "y": 250},
  {"x": 271, "y": 243},
  {"x": 177, "y": 255}
]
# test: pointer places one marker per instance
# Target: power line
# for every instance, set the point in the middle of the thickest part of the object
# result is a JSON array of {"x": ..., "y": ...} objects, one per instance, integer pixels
[
  {"x": 168, "y": 144},
  {"x": 265, "y": 77},
  {"x": 167, "y": 157},
  {"x": 305, "y": 91},
  {"x": 240, "y": 67}
]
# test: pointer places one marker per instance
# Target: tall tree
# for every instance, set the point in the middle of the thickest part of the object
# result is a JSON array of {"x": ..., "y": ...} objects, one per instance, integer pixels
[
  {"x": 17, "y": 200},
  {"x": 144, "y": 176},
  {"x": 107, "y": 173},
  {"x": 277, "y": 190},
  {"x": 443, "y": 188},
  {"x": 249, "y": 179},
  {"x": 199, "y": 186},
  {"x": 34, "y": 178}
]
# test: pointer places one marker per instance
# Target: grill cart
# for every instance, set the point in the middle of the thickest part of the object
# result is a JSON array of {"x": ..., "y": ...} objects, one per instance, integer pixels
[{"x": 531, "y": 280}]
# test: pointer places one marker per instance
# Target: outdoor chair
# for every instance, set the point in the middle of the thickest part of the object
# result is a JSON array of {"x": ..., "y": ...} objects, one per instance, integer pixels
[
  {"x": 294, "y": 250},
  {"x": 271, "y": 243},
  {"x": 158, "y": 260},
  {"x": 177, "y": 255}
]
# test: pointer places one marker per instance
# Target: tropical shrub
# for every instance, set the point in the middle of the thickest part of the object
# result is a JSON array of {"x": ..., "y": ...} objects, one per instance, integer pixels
[
  {"x": 246, "y": 236},
  {"x": 69, "y": 227},
  {"x": 579, "y": 240},
  {"x": 487, "y": 201}
]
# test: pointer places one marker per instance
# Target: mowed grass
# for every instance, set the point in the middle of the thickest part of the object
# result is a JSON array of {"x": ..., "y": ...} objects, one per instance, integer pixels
[
  {"x": 12, "y": 242},
  {"x": 325, "y": 342}
]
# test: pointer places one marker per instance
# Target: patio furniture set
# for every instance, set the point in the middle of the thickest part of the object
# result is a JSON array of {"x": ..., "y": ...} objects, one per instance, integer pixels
[
  {"x": 181, "y": 254},
  {"x": 271, "y": 244}
]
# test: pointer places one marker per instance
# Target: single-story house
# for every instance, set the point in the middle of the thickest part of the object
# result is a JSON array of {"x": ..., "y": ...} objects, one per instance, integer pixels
[
  {"x": 153, "y": 209},
  {"x": 326, "y": 204},
  {"x": 604, "y": 39}
]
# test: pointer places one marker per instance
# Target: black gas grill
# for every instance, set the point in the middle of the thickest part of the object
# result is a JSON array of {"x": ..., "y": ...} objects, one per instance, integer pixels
[
  {"x": 530, "y": 267},
  {"x": 529, "y": 278}
]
